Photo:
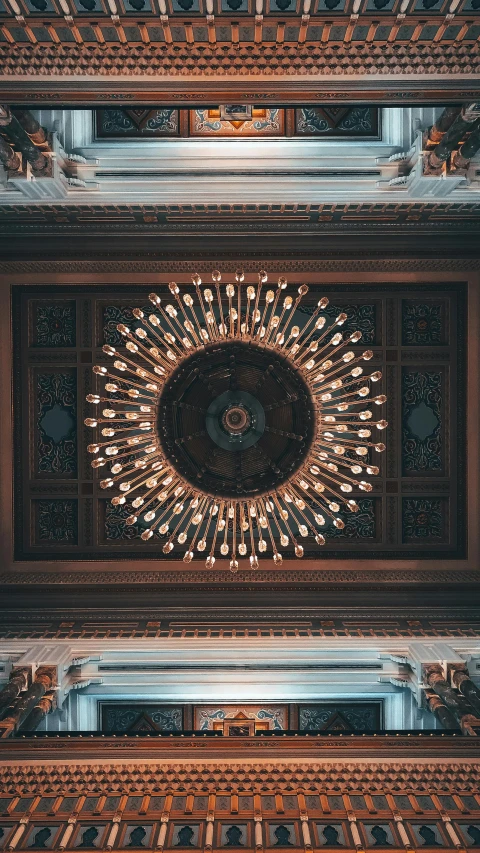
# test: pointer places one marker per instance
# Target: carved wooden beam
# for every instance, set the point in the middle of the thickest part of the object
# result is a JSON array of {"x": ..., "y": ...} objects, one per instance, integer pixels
[
  {"x": 465, "y": 122},
  {"x": 8, "y": 157},
  {"x": 45, "y": 679},
  {"x": 467, "y": 688},
  {"x": 31, "y": 126},
  {"x": 457, "y": 704},
  {"x": 19, "y": 680},
  {"x": 21, "y": 140},
  {"x": 461, "y": 159},
  {"x": 442, "y": 124},
  {"x": 440, "y": 710},
  {"x": 44, "y": 706}
]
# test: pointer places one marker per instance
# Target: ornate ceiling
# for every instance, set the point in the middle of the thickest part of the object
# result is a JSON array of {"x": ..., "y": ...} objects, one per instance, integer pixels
[{"x": 416, "y": 508}]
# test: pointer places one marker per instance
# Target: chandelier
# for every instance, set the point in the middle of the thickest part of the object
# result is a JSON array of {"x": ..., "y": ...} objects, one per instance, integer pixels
[{"x": 234, "y": 423}]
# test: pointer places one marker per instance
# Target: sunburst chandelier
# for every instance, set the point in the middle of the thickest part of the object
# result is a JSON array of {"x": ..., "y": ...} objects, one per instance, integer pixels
[{"x": 230, "y": 426}]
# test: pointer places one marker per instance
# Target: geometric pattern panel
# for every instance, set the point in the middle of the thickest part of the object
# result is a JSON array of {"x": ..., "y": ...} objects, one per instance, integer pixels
[
  {"x": 424, "y": 393},
  {"x": 56, "y": 425},
  {"x": 416, "y": 509},
  {"x": 340, "y": 716},
  {"x": 53, "y": 324},
  {"x": 337, "y": 121},
  {"x": 425, "y": 520},
  {"x": 141, "y": 718},
  {"x": 56, "y": 521},
  {"x": 274, "y": 717},
  {"x": 125, "y": 123}
]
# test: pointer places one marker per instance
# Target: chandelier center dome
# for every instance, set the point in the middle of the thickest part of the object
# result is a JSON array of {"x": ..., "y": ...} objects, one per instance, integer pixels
[{"x": 236, "y": 419}]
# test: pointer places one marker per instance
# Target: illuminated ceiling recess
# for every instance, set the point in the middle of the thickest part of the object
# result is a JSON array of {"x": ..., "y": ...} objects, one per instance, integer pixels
[{"x": 231, "y": 428}]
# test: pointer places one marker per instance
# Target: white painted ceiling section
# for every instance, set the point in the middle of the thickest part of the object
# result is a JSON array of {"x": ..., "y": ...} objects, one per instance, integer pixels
[
  {"x": 239, "y": 171},
  {"x": 247, "y": 670}
]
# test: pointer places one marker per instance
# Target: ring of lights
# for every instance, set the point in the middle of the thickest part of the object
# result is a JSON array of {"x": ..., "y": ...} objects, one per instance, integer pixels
[{"x": 230, "y": 427}]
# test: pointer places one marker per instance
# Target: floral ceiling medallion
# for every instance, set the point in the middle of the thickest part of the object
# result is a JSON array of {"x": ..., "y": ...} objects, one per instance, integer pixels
[{"x": 235, "y": 424}]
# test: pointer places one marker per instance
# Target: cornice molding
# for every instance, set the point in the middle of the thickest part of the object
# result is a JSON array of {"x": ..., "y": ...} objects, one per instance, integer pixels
[
  {"x": 216, "y": 580},
  {"x": 216, "y": 771},
  {"x": 197, "y": 70},
  {"x": 288, "y": 266}
]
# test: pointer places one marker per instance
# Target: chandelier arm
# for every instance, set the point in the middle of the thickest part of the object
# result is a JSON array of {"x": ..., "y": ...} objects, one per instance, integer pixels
[
  {"x": 344, "y": 461},
  {"x": 276, "y": 555},
  {"x": 127, "y": 366},
  {"x": 131, "y": 382},
  {"x": 187, "y": 324},
  {"x": 284, "y": 517},
  {"x": 220, "y": 306},
  {"x": 179, "y": 331},
  {"x": 290, "y": 532},
  {"x": 301, "y": 527},
  {"x": 167, "y": 510},
  {"x": 152, "y": 330},
  {"x": 303, "y": 333},
  {"x": 304, "y": 355},
  {"x": 328, "y": 476},
  {"x": 321, "y": 499},
  {"x": 219, "y": 518},
  {"x": 262, "y": 279},
  {"x": 197, "y": 282},
  {"x": 137, "y": 346},
  {"x": 318, "y": 340},
  {"x": 292, "y": 308},
  {"x": 182, "y": 517},
  {"x": 203, "y": 540},
  {"x": 253, "y": 556},
  {"x": 328, "y": 376},
  {"x": 272, "y": 312}
]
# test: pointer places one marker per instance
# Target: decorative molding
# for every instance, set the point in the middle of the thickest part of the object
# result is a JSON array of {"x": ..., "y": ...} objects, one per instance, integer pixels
[
  {"x": 214, "y": 773},
  {"x": 249, "y": 579},
  {"x": 385, "y": 265},
  {"x": 197, "y": 63}
]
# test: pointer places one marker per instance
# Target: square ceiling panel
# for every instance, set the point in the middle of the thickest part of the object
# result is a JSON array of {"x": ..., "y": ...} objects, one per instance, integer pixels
[{"x": 416, "y": 509}]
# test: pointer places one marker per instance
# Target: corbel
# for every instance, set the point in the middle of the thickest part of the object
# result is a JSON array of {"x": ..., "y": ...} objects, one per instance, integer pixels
[
  {"x": 167, "y": 33},
  {"x": 302, "y": 35},
  {"x": 145, "y": 804},
  {"x": 212, "y": 32},
  {"x": 73, "y": 28}
]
